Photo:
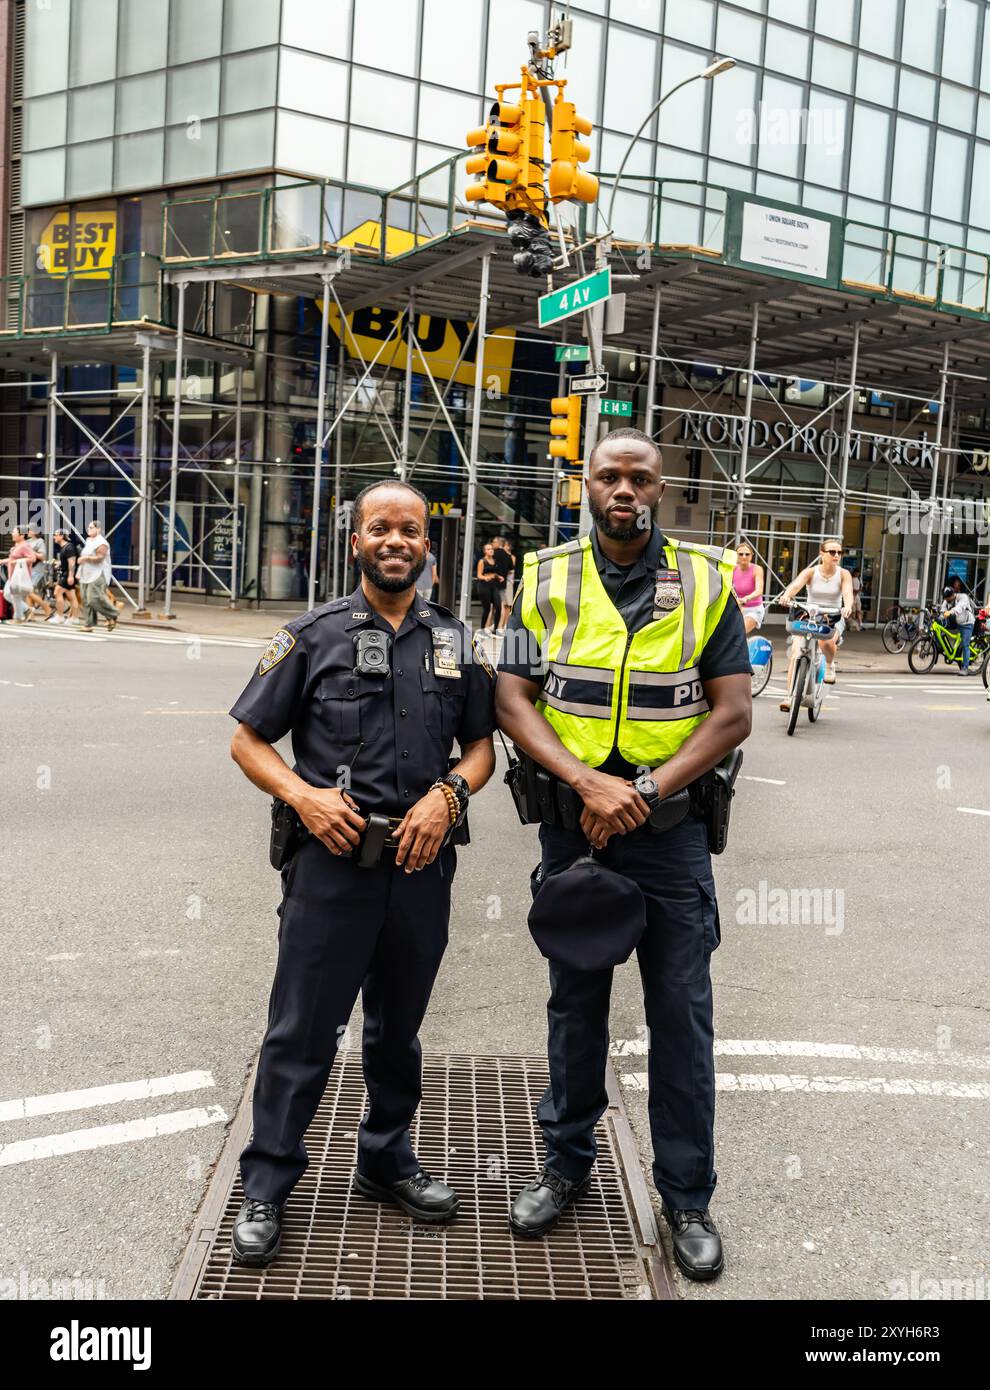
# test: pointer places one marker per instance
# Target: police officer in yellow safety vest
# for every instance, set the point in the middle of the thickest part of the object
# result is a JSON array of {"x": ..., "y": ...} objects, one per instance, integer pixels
[{"x": 625, "y": 676}]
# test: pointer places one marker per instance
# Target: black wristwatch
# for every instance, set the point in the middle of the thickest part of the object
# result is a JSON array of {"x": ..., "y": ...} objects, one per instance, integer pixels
[
  {"x": 648, "y": 790},
  {"x": 461, "y": 790}
]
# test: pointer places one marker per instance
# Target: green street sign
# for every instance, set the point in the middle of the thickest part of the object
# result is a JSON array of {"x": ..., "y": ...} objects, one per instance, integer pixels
[
  {"x": 572, "y": 352},
  {"x": 615, "y": 407},
  {"x": 576, "y": 297}
]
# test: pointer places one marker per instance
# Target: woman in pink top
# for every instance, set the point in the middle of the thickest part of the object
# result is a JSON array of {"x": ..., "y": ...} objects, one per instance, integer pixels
[
  {"x": 747, "y": 585},
  {"x": 22, "y": 550}
]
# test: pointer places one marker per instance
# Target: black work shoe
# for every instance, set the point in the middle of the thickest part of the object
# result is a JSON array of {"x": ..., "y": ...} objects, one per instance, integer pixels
[
  {"x": 543, "y": 1201},
  {"x": 257, "y": 1232},
  {"x": 421, "y": 1196},
  {"x": 697, "y": 1243}
]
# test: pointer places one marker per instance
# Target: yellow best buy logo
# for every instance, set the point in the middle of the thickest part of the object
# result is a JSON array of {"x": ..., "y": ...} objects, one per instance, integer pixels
[{"x": 86, "y": 246}]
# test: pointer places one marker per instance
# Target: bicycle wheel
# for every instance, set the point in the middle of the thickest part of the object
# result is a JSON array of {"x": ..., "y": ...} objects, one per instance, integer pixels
[
  {"x": 818, "y": 699},
  {"x": 922, "y": 655},
  {"x": 760, "y": 677},
  {"x": 797, "y": 693},
  {"x": 985, "y": 670},
  {"x": 891, "y": 638}
]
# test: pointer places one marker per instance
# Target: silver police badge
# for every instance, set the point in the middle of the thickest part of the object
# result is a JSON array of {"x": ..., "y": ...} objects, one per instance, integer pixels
[
  {"x": 279, "y": 647},
  {"x": 445, "y": 653},
  {"x": 668, "y": 592}
]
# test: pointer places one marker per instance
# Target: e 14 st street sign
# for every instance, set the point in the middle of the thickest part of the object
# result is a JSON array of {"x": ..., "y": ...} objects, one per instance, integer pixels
[
  {"x": 575, "y": 298},
  {"x": 616, "y": 408}
]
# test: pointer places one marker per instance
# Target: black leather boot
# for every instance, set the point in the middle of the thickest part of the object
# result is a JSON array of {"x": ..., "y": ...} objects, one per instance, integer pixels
[
  {"x": 697, "y": 1243},
  {"x": 421, "y": 1196},
  {"x": 257, "y": 1232},
  {"x": 542, "y": 1202}
]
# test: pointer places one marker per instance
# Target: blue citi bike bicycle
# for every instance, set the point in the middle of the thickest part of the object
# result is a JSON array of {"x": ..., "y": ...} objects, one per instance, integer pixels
[{"x": 811, "y": 625}]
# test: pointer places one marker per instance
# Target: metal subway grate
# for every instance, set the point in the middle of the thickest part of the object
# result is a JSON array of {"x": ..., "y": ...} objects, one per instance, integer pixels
[{"x": 476, "y": 1130}]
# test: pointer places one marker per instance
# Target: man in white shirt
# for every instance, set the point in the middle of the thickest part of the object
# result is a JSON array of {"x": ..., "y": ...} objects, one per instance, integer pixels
[{"x": 94, "y": 575}]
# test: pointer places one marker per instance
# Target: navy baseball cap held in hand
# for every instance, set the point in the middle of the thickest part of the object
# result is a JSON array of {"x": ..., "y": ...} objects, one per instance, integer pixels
[{"x": 587, "y": 916}]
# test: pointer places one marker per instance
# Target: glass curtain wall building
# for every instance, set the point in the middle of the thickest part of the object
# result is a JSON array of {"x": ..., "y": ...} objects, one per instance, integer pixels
[{"x": 875, "y": 110}]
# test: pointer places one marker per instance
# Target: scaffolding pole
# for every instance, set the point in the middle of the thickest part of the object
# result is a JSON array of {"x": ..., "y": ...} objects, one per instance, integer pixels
[
  {"x": 472, "y": 488},
  {"x": 847, "y": 436},
  {"x": 555, "y": 480},
  {"x": 747, "y": 423},
  {"x": 321, "y": 386},
  {"x": 933, "y": 494},
  {"x": 948, "y": 477},
  {"x": 338, "y": 454},
  {"x": 234, "y": 533},
  {"x": 52, "y": 459},
  {"x": 173, "y": 482},
  {"x": 144, "y": 467},
  {"x": 407, "y": 393},
  {"x": 651, "y": 372}
]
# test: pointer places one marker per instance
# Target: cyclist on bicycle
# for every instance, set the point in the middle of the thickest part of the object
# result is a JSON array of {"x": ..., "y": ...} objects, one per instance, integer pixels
[
  {"x": 747, "y": 586},
  {"x": 829, "y": 587},
  {"x": 957, "y": 613}
]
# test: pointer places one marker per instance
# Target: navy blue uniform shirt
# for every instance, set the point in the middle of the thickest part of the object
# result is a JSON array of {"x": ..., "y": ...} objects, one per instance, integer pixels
[{"x": 385, "y": 739}]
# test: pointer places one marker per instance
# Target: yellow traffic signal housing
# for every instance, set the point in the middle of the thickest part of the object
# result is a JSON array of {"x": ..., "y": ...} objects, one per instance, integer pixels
[
  {"x": 568, "y": 153},
  {"x": 569, "y": 492},
  {"x": 501, "y": 161},
  {"x": 565, "y": 428}
]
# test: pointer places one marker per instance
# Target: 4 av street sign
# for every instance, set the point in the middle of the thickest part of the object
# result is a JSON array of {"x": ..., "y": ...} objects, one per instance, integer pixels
[
  {"x": 589, "y": 385},
  {"x": 576, "y": 297},
  {"x": 571, "y": 352}
]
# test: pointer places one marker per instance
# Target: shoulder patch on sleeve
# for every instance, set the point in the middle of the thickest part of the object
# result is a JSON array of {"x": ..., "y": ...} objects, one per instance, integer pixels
[
  {"x": 481, "y": 657},
  {"x": 279, "y": 647}
]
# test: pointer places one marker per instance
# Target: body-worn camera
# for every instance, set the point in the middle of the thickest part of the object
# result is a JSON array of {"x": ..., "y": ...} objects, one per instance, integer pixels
[{"x": 371, "y": 653}]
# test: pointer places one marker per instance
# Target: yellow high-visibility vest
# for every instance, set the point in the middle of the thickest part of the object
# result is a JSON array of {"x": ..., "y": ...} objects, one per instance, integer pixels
[{"x": 607, "y": 687}]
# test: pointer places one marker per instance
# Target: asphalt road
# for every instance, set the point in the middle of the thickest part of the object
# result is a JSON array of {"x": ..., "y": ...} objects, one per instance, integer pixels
[{"x": 851, "y": 984}]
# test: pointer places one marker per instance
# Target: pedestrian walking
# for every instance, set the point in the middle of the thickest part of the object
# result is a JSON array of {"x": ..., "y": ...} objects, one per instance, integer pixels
[
  {"x": 19, "y": 589},
  {"x": 66, "y": 580},
  {"x": 505, "y": 564},
  {"x": 94, "y": 576},
  {"x": 486, "y": 578}
]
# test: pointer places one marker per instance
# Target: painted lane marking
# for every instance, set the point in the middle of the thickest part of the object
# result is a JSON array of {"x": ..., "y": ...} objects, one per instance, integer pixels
[
  {"x": 81, "y": 1140},
  {"x": 185, "y": 640},
  {"x": 952, "y": 709},
  {"x": 58, "y": 1102},
  {"x": 828, "y": 1085},
  {"x": 852, "y": 1052},
  {"x": 972, "y": 811},
  {"x": 771, "y": 781},
  {"x": 186, "y": 711}
]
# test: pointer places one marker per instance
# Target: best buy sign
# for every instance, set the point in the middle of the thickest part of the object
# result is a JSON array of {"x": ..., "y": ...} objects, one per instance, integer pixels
[{"x": 86, "y": 247}]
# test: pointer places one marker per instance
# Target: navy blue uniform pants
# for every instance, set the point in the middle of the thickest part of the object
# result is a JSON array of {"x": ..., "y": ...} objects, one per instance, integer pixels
[
  {"x": 344, "y": 930},
  {"x": 682, "y": 929}
]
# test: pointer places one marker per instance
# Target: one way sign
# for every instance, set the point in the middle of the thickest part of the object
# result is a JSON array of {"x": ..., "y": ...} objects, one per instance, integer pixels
[{"x": 589, "y": 385}]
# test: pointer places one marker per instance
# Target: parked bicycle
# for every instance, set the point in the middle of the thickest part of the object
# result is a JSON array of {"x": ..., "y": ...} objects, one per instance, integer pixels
[
  {"x": 904, "y": 626},
  {"x": 811, "y": 625}
]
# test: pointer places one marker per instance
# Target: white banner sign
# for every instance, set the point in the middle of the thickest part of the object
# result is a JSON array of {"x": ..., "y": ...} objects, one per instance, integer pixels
[{"x": 785, "y": 240}]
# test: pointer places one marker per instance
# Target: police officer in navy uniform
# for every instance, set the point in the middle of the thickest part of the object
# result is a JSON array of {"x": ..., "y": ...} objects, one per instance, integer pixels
[
  {"x": 625, "y": 676},
  {"x": 374, "y": 689}
]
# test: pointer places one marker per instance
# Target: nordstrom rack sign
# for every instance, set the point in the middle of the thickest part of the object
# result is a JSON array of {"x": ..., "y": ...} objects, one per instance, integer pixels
[{"x": 727, "y": 431}]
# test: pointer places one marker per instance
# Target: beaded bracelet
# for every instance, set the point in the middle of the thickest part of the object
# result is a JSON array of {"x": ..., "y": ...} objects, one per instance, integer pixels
[{"x": 453, "y": 805}]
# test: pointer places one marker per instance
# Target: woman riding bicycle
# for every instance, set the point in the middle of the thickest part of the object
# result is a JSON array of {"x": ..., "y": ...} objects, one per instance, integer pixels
[
  {"x": 747, "y": 585},
  {"x": 830, "y": 588}
]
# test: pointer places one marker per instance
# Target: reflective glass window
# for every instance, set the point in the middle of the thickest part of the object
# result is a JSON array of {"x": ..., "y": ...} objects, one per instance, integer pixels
[
  {"x": 875, "y": 80},
  {"x": 383, "y": 103},
  {"x": 682, "y": 120},
  {"x": 835, "y": 18},
  {"x": 509, "y": 21},
  {"x": 46, "y": 55},
  {"x": 916, "y": 94},
  {"x": 89, "y": 169},
  {"x": 142, "y": 42},
  {"x": 956, "y": 106},
  {"x": 384, "y": 161},
  {"x": 825, "y": 144},
  {"x": 310, "y": 83},
  {"x": 43, "y": 177},
  {"x": 584, "y": 69},
  {"x": 787, "y": 50},
  {"x": 781, "y": 127},
  {"x": 631, "y": 70},
  {"x": 735, "y": 117},
  {"x": 984, "y": 82},
  {"x": 314, "y": 26},
  {"x": 919, "y": 37},
  {"x": 690, "y": 20},
  {"x": 246, "y": 142},
  {"x": 141, "y": 103},
  {"x": 864, "y": 210},
  {"x": 731, "y": 176},
  {"x": 446, "y": 117},
  {"x": 959, "y": 40},
  {"x": 910, "y": 171},
  {"x": 249, "y": 80},
  {"x": 194, "y": 91},
  {"x": 250, "y": 25},
  {"x": 196, "y": 29},
  {"x": 644, "y": 13},
  {"x": 878, "y": 25},
  {"x": 740, "y": 35},
  {"x": 868, "y": 156},
  {"x": 44, "y": 122},
  {"x": 191, "y": 151},
  {"x": 949, "y": 179},
  {"x": 771, "y": 186},
  {"x": 794, "y": 11},
  {"x": 452, "y": 44},
  {"x": 824, "y": 199},
  {"x": 139, "y": 159},
  {"x": 308, "y": 145},
  {"x": 91, "y": 112},
  {"x": 93, "y": 48},
  {"x": 983, "y": 118},
  {"x": 385, "y": 35},
  {"x": 979, "y": 205},
  {"x": 832, "y": 66},
  {"x": 950, "y": 233}
]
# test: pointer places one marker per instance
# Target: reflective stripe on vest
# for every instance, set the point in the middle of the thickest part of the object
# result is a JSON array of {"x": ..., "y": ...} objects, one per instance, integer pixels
[{"x": 605, "y": 687}]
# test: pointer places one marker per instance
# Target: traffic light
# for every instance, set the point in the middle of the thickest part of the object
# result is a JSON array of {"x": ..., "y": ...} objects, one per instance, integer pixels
[
  {"x": 568, "y": 153},
  {"x": 569, "y": 492},
  {"x": 501, "y": 161},
  {"x": 565, "y": 428}
]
